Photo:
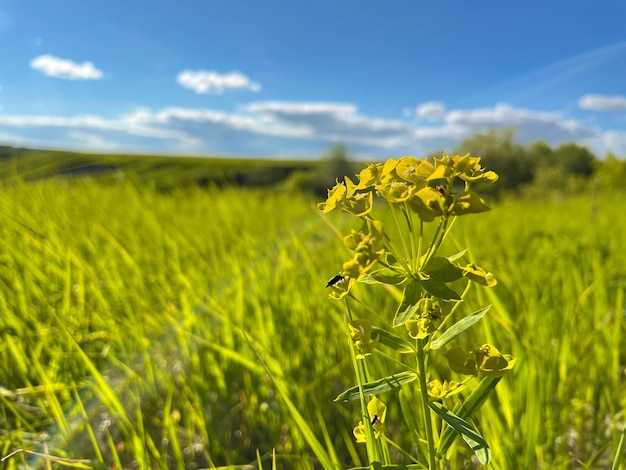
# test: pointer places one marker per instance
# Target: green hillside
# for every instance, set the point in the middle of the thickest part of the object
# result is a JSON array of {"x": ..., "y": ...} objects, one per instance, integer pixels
[{"x": 162, "y": 171}]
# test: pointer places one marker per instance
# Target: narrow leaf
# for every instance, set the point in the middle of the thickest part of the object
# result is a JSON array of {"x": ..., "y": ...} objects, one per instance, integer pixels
[
  {"x": 456, "y": 256},
  {"x": 469, "y": 408},
  {"x": 385, "y": 276},
  {"x": 379, "y": 386},
  {"x": 440, "y": 269},
  {"x": 472, "y": 438},
  {"x": 440, "y": 290},
  {"x": 459, "y": 327},
  {"x": 409, "y": 305}
]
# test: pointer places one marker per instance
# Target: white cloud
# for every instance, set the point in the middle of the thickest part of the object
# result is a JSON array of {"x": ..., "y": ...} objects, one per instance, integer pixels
[
  {"x": 530, "y": 125},
  {"x": 91, "y": 140},
  {"x": 603, "y": 102},
  {"x": 614, "y": 141},
  {"x": 204, "y": 81},
  {"x": 64, "y": 68},
  {"x": 267, "y": 128},
  {"x": 330, "y": 122},
  {"x": 431, "y": 111}
]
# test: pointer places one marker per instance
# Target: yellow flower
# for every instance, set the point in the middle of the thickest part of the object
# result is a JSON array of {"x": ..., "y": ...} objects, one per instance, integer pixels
[
  {"x": 336, "y": 195},
  {"x": 377, "y": 412},
  {"x": 479, "y": 275},
  {"x": 485, "y": 359},
  {"x": 370, "y": 176},
  {"x": 361, "y": 334},
  {"x": 343, "y": 195},
  {"x": 413, "y": 170},
  {"x": 439, "y": 390}
]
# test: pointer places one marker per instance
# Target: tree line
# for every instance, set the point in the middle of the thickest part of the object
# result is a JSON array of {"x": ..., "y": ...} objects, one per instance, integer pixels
[{"x": 531, "y": 169}]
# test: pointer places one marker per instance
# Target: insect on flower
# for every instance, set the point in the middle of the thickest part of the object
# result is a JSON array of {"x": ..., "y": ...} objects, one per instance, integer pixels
[
  {"x": 334, "y": 280},
  {"x": 374, "y": 420}
]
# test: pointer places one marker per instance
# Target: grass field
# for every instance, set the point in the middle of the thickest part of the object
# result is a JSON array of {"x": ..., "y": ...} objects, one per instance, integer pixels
[{"x": 136, "y": 327}]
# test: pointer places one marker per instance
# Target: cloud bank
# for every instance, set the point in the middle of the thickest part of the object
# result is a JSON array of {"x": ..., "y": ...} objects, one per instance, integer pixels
[
  {"x": 603, "y": 102},
  {"x": 65, "y": 69},
  {"x": 431, "y": 111},
  {"x": 203, "y": 81},
  {"x": 307, "y": 128}
]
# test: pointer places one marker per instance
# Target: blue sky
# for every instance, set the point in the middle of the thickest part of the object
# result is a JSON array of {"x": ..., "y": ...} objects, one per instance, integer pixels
[{"x": 289, "y": 79}]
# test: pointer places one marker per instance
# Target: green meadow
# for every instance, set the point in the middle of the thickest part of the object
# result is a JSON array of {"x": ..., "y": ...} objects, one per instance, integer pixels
[{"x": 191, "y": 328}]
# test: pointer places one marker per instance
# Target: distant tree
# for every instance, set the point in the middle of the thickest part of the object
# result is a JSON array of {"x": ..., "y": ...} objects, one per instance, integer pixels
[
  {"x": 610, "y": 173},
  {"x": 499, "y": 152},
  {"x": 336, "y": 163},
  {"x": 574, "y": 159},
  {"x": 540, "y": 153},
  {"x": 565, "y": 169}
]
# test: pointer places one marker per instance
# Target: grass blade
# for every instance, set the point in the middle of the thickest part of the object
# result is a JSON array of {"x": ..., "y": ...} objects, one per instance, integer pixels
[
  {"x": 617, "y": 461},
  {"x": 316, "y": 446}
]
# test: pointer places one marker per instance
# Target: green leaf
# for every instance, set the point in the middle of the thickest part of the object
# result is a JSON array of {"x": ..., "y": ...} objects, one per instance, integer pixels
[
  {"x": 393, "y": 341},
  {"x": 461, "y": 362},
  {"x": 459, "y": 327},
  {"x": 439, "y": 290},
  {"x": 386, "y": 276},
  {"x": 409, "y": 305},
  {"x": 441, "y": 269},
  {"x": 468, "y": 409},
  {"x": 471, "y": 437},
  {"x": 379, "y": 386},
  {"x": 459, "y": 255}
]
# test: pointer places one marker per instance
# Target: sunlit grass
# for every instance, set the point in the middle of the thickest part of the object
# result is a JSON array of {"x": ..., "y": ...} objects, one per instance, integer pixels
[{"x": 128, "y": 318}]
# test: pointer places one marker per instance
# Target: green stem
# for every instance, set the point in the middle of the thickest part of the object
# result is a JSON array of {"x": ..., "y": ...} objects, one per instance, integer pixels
[
  {"x": 421, "y": 363},
  {"x": 400, "y": 231},
  {"x": 419, "y": 245},
  {"x": 416, "y": 241},
  {"x": 372, "y": 311},
  {"x": 437, "y": 239},
  {"x": 456, "y": 306},
  {"x": 373, "y": 450},
  {"x": 400, "y": 449}
]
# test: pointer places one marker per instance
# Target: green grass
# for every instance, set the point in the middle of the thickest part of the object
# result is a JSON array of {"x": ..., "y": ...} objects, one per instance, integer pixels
[{"x": 167, "y": 330}]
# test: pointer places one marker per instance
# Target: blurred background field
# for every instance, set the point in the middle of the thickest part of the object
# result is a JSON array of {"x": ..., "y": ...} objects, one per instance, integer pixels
[
  {"x": 130, "y": 307},
  {"x": 163, "y": 262}
]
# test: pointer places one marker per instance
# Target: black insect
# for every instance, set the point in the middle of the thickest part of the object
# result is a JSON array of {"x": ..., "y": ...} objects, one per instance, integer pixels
[
  {"x": 335, "y": 280},
  {"x": 374, "y": 420}
]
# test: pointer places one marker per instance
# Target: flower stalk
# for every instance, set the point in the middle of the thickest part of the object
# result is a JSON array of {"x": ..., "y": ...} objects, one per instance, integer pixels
[{"x": 417, "y": 192}]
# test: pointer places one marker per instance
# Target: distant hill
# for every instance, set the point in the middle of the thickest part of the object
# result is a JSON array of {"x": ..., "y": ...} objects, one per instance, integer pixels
[{"x": 165, "y": 172}]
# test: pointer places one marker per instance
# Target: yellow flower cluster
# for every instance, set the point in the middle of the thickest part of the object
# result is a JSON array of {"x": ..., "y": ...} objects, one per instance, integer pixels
[
  {"x": 424, "y": 186},
  {"x": 363, "y": 244}
]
